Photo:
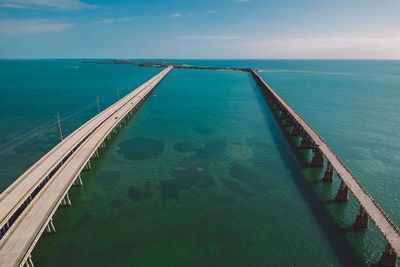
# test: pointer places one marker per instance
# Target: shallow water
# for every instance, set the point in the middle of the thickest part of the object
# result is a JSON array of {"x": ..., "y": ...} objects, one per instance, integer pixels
[{"x": 203, "y": 174}]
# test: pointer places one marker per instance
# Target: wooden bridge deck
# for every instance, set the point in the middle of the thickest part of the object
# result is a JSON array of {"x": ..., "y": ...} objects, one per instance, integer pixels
[
  {"x": 19, "y": 240},
  {"x": 382, "y": 221}
]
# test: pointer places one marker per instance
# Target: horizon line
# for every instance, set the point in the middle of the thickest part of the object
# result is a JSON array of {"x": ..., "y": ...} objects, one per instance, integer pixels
[{"x": 120, "y": 58}]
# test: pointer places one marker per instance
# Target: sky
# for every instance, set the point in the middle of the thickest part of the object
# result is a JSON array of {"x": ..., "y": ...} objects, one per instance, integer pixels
[{"x": 207, "y": 29}]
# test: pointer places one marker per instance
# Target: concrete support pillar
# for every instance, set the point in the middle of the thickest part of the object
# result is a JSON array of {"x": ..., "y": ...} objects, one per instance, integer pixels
[
  {"x": 343, "y": 193},
  {"x": 88, "y": 166},
  {"x": 288, "y": 123},
  {"x": 328, "y": 176},
  {"x": 362, "y": 219},
  {"x": 388, "y": 258},
  {"x": 29, "y": 262},
  {"x": 103, "y": 144},
  {"x": 66, "y": 202},
  {"x": 78, "y": 181},
  {"x": 305, "y": 144},
  {"x": 50, "y": 229},
  {"x": 318, "y": 158},
  {"x": 295, "y": 132}
]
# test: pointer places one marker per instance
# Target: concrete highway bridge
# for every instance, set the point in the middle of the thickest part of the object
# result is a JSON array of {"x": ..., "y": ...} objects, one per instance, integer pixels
[{"x": 28, "y": 205}]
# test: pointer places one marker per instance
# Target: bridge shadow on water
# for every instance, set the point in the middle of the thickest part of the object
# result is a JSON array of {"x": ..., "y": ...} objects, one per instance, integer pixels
[{"x": 292, "y": 156}]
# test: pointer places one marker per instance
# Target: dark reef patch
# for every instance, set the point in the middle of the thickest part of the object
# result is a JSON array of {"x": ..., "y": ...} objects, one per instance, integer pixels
[
  {"x": 108, "y": 179},
  {"x": 248, "y": 176},
  {"x": 141, "y": 148},
  {"x": 70, "y": 250},
  {"x": 184, "y": 179},
  {"x": 203, "y": 239},
  {"x": 222, "y": 199},
  {"x": 115, "y": 203},
  {"x": 260, "y": 149},
  {"x": 184, "y": 147},
  {"x": 85, "y": 220},
  {"x": 235, "y": 187},
  {"x": 214, "y": 149},
  {"x": 204, "y": 130},
  {"x": 136, "y": 194}
]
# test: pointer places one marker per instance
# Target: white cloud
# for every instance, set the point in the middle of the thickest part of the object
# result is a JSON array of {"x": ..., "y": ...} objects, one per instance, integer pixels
[
  {"x": 211, "y": 11},
  {"x": 326, "y": 48},
  {"x": 176, "y": 15},
  {"x": 46, "y": 4},
  {"x": 210, "y": 37},
  {"x": 113, "y": 20},
  {"x": 11, "y": 5},
  {"x": 103, "y": 21},
  {"x": 31, "y": 26},
  {"x": 125, "y": 19}
]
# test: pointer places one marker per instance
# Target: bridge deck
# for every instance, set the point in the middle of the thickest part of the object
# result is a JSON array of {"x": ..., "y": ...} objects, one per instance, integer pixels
[
  {"x": 12, "y": 198},
  {"x": 382, "y": 221},
  {"x": 19, "y": 191},
  {"x": 16, "y": 246}
]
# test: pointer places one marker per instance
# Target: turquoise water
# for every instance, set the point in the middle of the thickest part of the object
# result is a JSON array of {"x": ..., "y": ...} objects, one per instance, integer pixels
[{"x": 203, "y": 174}]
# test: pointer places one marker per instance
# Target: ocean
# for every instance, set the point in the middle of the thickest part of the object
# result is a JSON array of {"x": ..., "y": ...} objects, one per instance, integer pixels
[{"x": 203, "y": 174}]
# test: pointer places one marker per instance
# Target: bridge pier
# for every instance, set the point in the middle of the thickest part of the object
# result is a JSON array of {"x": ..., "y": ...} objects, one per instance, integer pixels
[
  {"x": 305, "y": 144},
  {"x": 66, "y": 202},
  {"x": 78, "y": 181},
  {"x": 29, "y": 262},
  {"x": 328, "y": 176},
  {"x": 288, "y": 123},
  {"x": 295, "y": 132},
  {"x": 88, "y": 166},
  {"x": 388, "y": 258},
  {"x": 318, "y": 158},
  {"x": 362, "y": 219},
  {"x": 50, "y": 229},
  {"x": 343, "y": 193},
  {"x": 103, "y": 144},
  {"x": 95, "y": 155}
]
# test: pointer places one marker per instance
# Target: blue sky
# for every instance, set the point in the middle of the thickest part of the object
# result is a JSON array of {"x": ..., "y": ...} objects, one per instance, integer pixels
[{"x": 353, "y": 29}]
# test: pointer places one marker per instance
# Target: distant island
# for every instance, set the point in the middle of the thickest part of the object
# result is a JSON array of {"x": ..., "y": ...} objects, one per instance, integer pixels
[{"x": 161, "y": 64}]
